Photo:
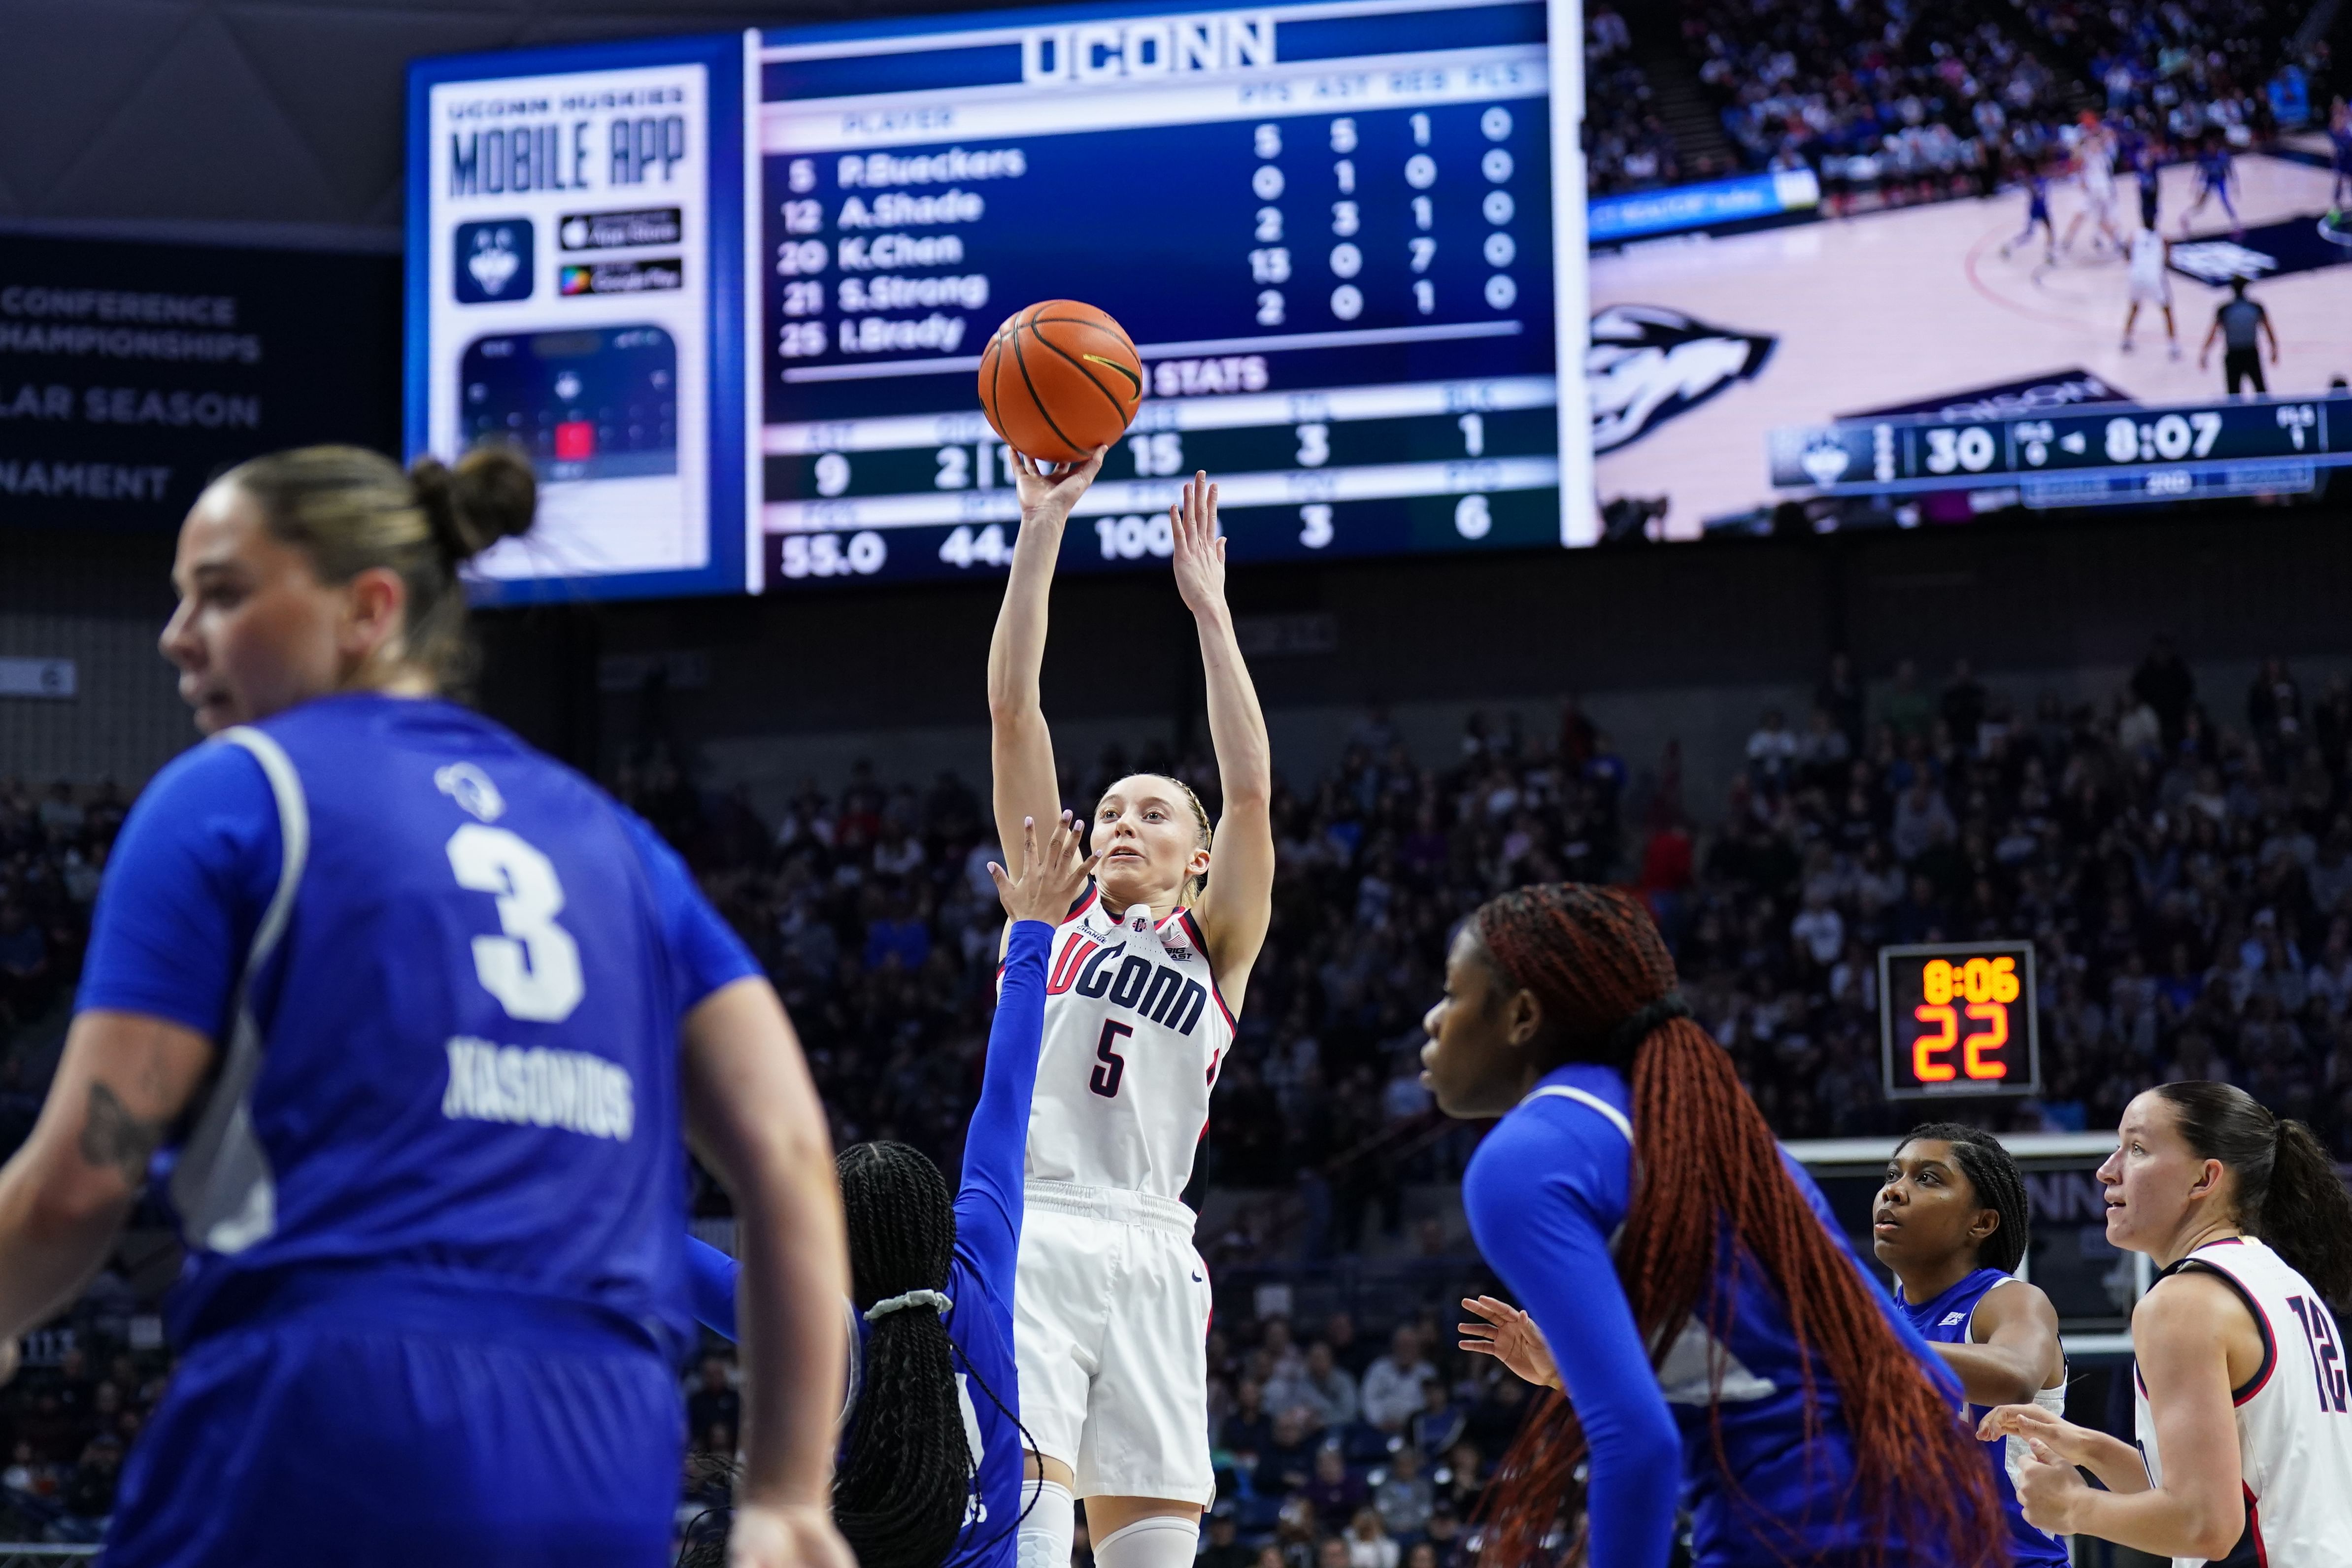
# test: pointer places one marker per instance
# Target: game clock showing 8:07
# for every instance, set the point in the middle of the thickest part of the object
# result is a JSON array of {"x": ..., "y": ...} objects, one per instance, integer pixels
[{"x": 1959, "y": 1019}]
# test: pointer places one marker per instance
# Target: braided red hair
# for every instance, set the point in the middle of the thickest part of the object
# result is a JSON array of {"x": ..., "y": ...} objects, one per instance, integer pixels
[{"x": 1705, "y": 1162}]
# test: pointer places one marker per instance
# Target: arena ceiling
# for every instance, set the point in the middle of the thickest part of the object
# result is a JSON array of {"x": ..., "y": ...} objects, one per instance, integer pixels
[{"x": 265, "y": 120}]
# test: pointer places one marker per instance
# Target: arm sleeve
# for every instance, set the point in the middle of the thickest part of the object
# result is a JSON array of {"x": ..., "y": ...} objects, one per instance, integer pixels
[
  {"x": 192, "y": 870},
  {"x": 1531, "y": 1196},
  {"x": 988, "y": 1203},
  {"x": 705, "y": 953},
  {"x": 711, "y": 1284}
]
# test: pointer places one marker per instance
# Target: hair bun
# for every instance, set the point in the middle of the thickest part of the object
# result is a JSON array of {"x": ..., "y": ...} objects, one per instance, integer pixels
[{"x": 491, "y": 495}]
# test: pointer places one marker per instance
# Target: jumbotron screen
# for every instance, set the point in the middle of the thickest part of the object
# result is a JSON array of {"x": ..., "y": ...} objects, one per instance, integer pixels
[
  {"x": 1334, "y": 230},
  {"x": 1329, "y": 227},
  {"x": 1406, "y": 276}
]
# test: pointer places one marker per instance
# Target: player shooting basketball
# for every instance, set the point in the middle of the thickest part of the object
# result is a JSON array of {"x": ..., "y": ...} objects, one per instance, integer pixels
[{"x": 1111, "y": 1303}]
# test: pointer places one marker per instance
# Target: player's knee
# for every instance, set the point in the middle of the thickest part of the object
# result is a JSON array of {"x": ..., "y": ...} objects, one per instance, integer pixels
[
  {"x": 1048, "y": 1520},
  {"x": 1159, "y": 1540}
]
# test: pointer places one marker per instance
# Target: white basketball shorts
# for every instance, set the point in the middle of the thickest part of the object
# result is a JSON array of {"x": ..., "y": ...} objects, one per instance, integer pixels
[
  {"x": 2156, "y": 290},
  {"x": 1110, "y": 1328}
]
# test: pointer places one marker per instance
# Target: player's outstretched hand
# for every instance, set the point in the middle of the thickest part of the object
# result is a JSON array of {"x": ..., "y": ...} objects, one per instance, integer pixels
[
  {"x": 1048, "y": 490},
  {"x": 1052, "y": 877},
  {"x": 1511, "y": 1337},
  {"x": 772, "y": 1535},
  {"x": 2032, "y": 1422},
  {"x": 1200, "y": 548}
]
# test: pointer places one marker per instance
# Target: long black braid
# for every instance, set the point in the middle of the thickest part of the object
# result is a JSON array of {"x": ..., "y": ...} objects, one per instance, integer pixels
[
  {"x": 1999, "y": 1187},
  {"x": 902, "y": 1238},
  {"x": 906, "y": 1470}
]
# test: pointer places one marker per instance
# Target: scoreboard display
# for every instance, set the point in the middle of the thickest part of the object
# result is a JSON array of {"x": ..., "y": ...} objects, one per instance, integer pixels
[
  {"x": 1957, "y": 1018},
  {"x": 1329, "y": 227},
  {"x": 1343, "y": 234},
  {"x": 2115, "y": 453}
]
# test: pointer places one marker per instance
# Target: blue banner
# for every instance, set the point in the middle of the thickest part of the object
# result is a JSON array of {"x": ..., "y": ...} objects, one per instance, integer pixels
[{"x": 1643, "y": 213}]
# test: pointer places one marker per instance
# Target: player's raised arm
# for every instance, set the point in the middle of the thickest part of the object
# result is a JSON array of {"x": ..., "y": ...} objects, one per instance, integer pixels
[
  {"x": 1021, "y": 748},
  {"x": 1238, "y": 900},
  {"x": 753, "y": 1116},
  {"x": 997, "y": 1141}
]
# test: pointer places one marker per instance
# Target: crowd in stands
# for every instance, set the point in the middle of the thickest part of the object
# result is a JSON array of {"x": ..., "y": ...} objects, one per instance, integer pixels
[
  {"x": 1892, "y": 101},
  {"x": 68, "y": 1426},
  {"x": 1905, "y": 100},
  {"x": 1626, "y": 146},
  {"x": 2192, "y": 69},
  {"x": 2180, "y": 855},
  {"x": 1342, "y": 1452}
]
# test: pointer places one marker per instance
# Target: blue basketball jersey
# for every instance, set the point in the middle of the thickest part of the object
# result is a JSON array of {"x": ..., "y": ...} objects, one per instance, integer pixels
[
  {"x": 1945, "y": 1321},
  {"x": 989, "y": 1208},
  {"x": 446, "y": 976},
  {"x": 1545, "y": 1194}
]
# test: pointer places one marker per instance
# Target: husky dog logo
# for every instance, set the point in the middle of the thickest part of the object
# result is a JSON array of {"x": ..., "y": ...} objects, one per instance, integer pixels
[
  {"x": 1649, "y": 365},
  {"x": 472, "y": 790},
  {"x": 494, "y": 261}
]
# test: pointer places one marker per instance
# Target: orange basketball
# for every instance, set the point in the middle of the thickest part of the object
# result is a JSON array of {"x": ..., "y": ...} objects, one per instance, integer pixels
[{"x": 1058, "y": 380}]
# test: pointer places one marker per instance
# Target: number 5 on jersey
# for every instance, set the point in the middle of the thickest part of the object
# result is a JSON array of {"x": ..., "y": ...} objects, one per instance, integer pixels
[
  {"x": 1104, "y": 1080},
  {"x": 534, "y": 969}
]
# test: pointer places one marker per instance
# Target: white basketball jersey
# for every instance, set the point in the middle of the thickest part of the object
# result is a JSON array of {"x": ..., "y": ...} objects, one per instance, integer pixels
[
  {"x": 2098, "y": 166},
  {"x": 1135, "y": 1032},
  {"x": 2294, "y": 1421},
  {"x": 2148, "y": 256}
]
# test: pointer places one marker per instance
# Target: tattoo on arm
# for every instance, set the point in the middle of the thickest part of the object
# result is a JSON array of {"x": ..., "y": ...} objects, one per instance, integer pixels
[{"x": 112, "y": 1135}]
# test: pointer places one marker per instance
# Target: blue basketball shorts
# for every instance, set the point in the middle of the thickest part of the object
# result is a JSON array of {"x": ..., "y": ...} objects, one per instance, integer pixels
[{"x": 305, "y": 1442}]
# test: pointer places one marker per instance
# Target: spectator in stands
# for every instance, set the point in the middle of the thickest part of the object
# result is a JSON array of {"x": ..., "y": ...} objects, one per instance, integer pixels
[
  {"x": 1325, "y": 1392},
  {"x": 715, "y": 1405},
  {"x": 1771, "y": 753},
  {"x": 1437, "y": 1425},
  {"x": 2274, "y": 705},
  {"x": 1224, "y": 1549},
  {"x": 1370, "y": 1545},
  {"x": 1287, "y": 1462},
  {"x": 1404, "y": 1496},
  {"x": 1391, "y": 1392},
  {"x": 1906, "y": 710},
  {"x": 1335, "y": 1492},
  {"x": 1247, "y": 1431}
]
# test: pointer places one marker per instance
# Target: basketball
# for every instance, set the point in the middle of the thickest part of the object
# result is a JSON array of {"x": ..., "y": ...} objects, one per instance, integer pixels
[{"x": 1058, "y": 380}]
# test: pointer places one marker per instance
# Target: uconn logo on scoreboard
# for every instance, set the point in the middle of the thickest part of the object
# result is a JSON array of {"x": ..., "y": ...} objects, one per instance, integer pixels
[{"x": 1164, "y": 46}]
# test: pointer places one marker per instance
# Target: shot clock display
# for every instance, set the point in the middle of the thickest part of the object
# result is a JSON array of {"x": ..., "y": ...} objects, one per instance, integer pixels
[{"x": 1957, "y": 1018}]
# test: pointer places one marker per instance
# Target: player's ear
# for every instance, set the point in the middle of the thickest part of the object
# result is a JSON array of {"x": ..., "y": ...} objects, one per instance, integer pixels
[
  {"x": 1522, "y": 1018},
  {"x": 1982, "y": 1228},
  {"x": 375, "y": 614}
]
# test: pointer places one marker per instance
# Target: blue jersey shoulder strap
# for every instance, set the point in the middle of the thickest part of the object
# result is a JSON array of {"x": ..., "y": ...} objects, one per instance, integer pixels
[
  {"x": 1564, "y": 1091},
  {"x": 222, "y": 1185}
]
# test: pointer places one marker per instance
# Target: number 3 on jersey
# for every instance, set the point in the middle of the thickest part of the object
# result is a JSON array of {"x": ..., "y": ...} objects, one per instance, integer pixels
[
  {"x": 534, "y": 969},
  {"x": 1104, "y": 1080}
]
